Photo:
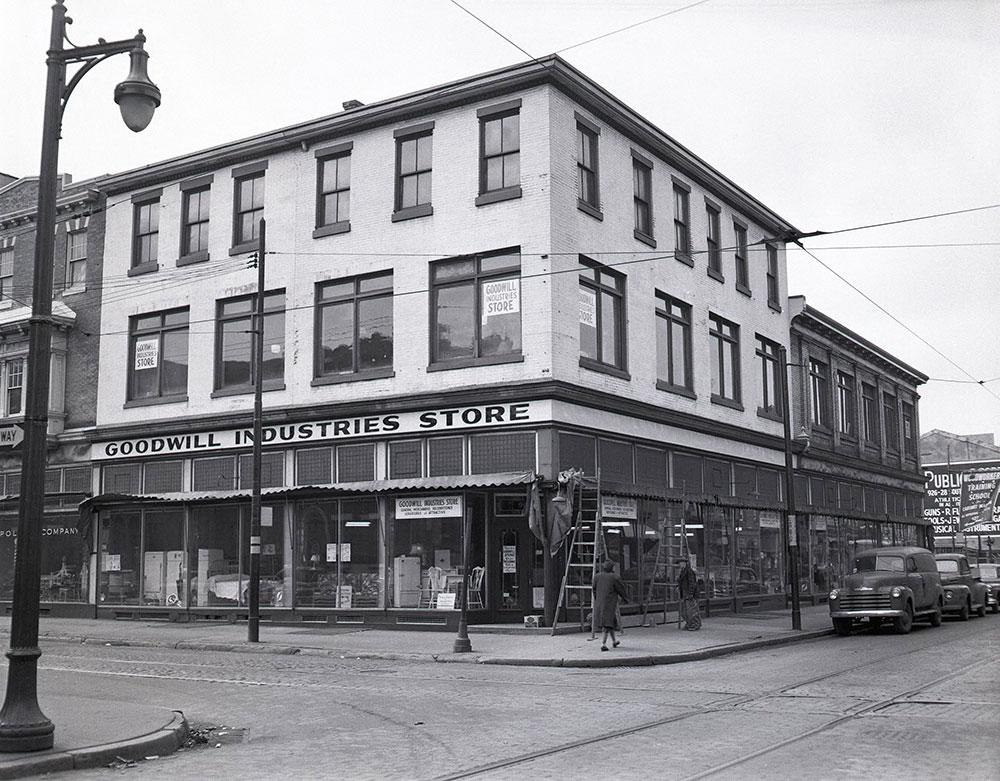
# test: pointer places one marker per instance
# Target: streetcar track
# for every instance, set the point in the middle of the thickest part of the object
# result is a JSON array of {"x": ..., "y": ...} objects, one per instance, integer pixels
[{"x": 726, "y": 706}]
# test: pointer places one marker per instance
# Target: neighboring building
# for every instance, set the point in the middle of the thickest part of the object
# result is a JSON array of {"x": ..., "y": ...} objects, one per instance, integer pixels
[
  {"x": 961, "y": 473},
  {"x": 73, "y": 386},
  {"x": 855, "y": 415},
  {"x": 469, "y": 289}
]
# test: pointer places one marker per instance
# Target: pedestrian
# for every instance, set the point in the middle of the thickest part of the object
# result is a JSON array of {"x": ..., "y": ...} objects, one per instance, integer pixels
[
  {"x": 607, "y": 589},
  {"x": 687, "y": 585}
]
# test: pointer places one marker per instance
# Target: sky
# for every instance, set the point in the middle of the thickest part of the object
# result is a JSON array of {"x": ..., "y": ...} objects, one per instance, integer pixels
[{"x": 837, "y": 114}]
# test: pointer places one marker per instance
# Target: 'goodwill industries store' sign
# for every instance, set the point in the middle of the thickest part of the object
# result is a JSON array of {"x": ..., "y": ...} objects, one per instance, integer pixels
[{"x": 359, "y": 427}]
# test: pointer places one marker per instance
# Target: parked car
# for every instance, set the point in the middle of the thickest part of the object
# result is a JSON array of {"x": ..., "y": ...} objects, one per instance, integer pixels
[
  {"x": 989, "y": 574},
  {"x": 963, "y": 591},
  {"x": 889, "y": 584}
]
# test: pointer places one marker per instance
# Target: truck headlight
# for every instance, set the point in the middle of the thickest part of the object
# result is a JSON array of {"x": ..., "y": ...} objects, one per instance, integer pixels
[
  {"x": 835, "y": 594},
  {"x": 896, "y": 592},
  {"x": 947, "y": 595}
]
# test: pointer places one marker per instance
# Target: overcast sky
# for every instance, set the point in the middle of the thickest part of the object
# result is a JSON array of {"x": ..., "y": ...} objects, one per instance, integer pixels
[{"x": 834, "y": 113}]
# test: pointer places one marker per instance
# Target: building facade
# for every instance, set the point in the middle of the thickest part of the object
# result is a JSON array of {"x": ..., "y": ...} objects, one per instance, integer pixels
[
  {"x": 858, "y": 481},
  {"x": 468, "y": 290}
]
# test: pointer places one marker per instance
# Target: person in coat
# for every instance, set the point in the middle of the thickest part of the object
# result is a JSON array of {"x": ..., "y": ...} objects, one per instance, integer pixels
[
  {"x": 687, "y": 585},
  {"x": 607, "y": 589}
]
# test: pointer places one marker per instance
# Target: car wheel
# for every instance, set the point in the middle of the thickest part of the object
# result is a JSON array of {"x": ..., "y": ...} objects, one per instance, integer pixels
[
  {"x": 842, "y": 626},
  {"x": 963, "y": 614},
  {"x": 904, "y": 623},
  {"x": 936, "y": 617}
]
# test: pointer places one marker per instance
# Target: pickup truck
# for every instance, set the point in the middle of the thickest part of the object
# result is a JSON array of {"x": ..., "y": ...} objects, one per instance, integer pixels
[{"x": 963, "y": 591}]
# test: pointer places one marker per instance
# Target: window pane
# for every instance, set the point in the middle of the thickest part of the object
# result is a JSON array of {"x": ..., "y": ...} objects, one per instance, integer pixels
[
  {"x": 175, "y": 362},
  {"x": 511, "y": 170},
  {"x": 610, "y": 318},
  {"x": 455, "y": 316},
  {"x": 501, "y": 308},
  {"x": 511, "y": 132},
  {"x": 235, "y": 354},
  {"x": 408, "y": 156},
  {"x": 588, "y": 323},
  {"x": 678, "y": 350},
  {"x": 337, "y": 346},
  {"x": 662, "y": 349},
  {"x": 494, "y": 173},
  {"x": 424, "y": 188},
  {"x": 375, "y": 333},
  {"x": 274, "y": 346},
  {"x": 491, "y": 136},
  {"x": 424, "y": 144}
]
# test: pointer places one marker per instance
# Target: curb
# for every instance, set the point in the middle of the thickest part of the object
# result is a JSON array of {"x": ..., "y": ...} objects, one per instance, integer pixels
[{"x": 165, "y": 740}]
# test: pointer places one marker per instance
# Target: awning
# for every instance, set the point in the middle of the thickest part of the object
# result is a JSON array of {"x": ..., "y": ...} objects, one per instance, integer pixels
[{"x": 449, "y": 483}]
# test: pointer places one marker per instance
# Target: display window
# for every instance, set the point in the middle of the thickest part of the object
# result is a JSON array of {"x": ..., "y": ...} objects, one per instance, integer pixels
[
  {"x": 64, "y": 560},
  {"x": 120, "y": 557},
  {"x": 340, "y": 561}
]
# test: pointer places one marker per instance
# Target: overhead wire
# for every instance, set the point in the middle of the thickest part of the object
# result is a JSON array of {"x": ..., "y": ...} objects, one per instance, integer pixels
[{"x": 631, "y": 26}]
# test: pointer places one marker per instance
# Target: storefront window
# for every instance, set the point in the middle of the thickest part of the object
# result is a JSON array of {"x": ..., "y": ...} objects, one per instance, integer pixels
[
  {"x": 819, "y": 560},
  {"x": 340, "y": 559},
  {"x": 120, "y": 536},
  {"x": 275, "y": 580},
  {"x": 772, "y": 558},
  {"x": 426, "y": 534},
  {"x": 163, "y": 571},
  {"x": 719, "y": 552},
  {"x": 214, "y": 557},
  {"x": 749, "y": 555}
]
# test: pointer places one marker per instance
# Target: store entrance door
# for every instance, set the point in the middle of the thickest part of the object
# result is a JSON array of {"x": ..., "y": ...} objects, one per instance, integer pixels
[{"x": 511, "y": 561}]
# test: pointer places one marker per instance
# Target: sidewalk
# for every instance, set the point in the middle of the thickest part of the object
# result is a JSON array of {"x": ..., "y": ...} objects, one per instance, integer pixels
[{"x": 93, "y": 732}]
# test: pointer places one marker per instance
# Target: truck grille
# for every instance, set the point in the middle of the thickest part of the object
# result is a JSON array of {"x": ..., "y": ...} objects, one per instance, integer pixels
[{"x": 865, "y": 602}]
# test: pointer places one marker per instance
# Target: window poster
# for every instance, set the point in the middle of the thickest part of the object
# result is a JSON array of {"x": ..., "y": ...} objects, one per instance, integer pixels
[
  {"x": 588, "y": 307},
  {"x": 112, "y": 562},
  {"x": 502, "y": 297},
  {"x": 147, "y": 354}
]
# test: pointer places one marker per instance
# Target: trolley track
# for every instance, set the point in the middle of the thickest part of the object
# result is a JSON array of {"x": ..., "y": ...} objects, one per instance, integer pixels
[{"x": 727, "y": 704}]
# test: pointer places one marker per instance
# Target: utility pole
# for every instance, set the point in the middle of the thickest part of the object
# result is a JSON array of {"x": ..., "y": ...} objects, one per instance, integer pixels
[
  {"x": 253, "y": 621},
  {"x": 791, "y": 532}
]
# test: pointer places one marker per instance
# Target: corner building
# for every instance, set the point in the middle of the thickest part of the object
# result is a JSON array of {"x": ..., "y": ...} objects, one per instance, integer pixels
[{"x": 468, "y": 290}]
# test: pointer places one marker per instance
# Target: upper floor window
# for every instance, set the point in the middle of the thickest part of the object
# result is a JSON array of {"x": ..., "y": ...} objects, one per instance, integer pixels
[
  {"x": 602, "y": 315},
  {"x": 846, "y": 405},
  {"x": 145, "y": 234},
  {"x": 769, "y": 368},
  {"x": 682, "y": 222},
  {"x": 76, "y": 258},
  {"x": 194, "y": 222},
  {"x": 13, "y": 386},
  {"x": 819, "y": 392},
  {"x": 158, "y": 355},
  {"x": 248, "y": 206},
  {"x": 476, "y": 308},
  {"x": 414, "y": 147},
  {"x": 869, "y": 412},
  {"x": 333, "y": 190},
  {"x": 587, "y": 182},
  {"x": 890, "y": 413},
  {"x": 673, "y": 344},
  {"x": 773, "y": 288},
  {"x": 642, "y": 198},
  {"x": 354, "y": 325},
  {"x": 6, "y": 273},
  {"x": 714, "y": 241},
  {"x": 909, "y": 432},
  {"x": 742, "y": 274},
  {"x": 234, "y": 342},
  {"x": 725, "y": 349},
  {"x": 500, "y": 151}
]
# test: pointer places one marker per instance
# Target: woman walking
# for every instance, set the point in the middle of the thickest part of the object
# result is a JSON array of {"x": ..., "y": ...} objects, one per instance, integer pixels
[
  {"x": 607, "y": 588},
  {"x": 687, "y": 585}
]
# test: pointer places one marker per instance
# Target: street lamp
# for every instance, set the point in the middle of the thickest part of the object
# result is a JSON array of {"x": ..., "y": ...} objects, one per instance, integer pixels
[
  {"x": 791, "y": 532},
  {"x": 23, "y": 726}
]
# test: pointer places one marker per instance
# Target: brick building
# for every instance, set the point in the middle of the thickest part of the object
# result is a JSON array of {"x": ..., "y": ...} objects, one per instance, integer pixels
[{"x": 469, "y": 289}]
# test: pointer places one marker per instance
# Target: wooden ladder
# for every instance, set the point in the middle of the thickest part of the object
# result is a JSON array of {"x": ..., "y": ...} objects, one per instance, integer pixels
[{"x": 584, "y": 552}]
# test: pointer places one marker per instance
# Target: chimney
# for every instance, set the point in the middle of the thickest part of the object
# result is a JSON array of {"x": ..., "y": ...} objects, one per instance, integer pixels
[{"x": 349, "y": 104}]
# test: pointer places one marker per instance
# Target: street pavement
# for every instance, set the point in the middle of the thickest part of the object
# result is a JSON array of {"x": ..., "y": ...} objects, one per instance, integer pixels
[{"x": 101, "y": 732}]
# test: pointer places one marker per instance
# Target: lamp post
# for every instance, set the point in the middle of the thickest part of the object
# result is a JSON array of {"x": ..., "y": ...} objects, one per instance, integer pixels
[
  {"x": 463, "y": 644},
  {"x": 23, "y": 726},
  {"x": 791, "y": 531}
]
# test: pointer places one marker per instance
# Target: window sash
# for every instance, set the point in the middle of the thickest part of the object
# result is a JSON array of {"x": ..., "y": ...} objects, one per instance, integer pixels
[
  {"x": 249, "y": 208},
  {"x": 413, "y": 171},
  {"x": 13, "y": 386},
  {"x": 847, "y": 408},
  {"x": 870, "y": 413},
  {"x": 770, "y": 376},
  {"x": 500, "y": 156},
  {"x": 194, "y": 221},
  {"x": 354, "y": 325},
  {"x": 642, "y": 197},
  {"x": 725, "y": 358},
  {"x": 773, "y": 295},
  {"x": 235, "y": 341},
  {"x": 145, "y": 241},
  {"x": 604, "y": 342},
  {"x": 334, "y": 190},
  {"x": 714, "y": 239},
  {"x": 742, "y": 277},
  {"x": 169, "y": 376},
  {"x": 682, "y": 221},
  {"x": 586, "y": 162},
  {"x": 819, "y": 392},
  {"x": 673, "y": 343}
]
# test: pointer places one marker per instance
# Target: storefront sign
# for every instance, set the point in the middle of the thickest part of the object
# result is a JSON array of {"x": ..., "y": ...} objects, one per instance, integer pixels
[
  {"x": 446, "y": 601},
  {"x": 428, "y": 507},
  {"x": 509, "y": 559},
  {"x": 501, "y": 298},
  {"x": 943, "y": 502},
  {"x": 619, "y": 507},
  {"x": 415, "y": 422},
  {"x": 979, "y": 497},
  {"x": 147, "y": 354}
]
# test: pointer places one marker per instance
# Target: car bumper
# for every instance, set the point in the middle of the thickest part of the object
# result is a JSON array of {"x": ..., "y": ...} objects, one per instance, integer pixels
[{"x": 859, "y": 614}]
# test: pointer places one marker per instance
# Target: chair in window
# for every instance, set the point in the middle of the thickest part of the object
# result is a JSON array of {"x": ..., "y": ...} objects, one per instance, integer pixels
[
  {"x": 435, "y": 585},
  {"x": 476, "y": 588}
]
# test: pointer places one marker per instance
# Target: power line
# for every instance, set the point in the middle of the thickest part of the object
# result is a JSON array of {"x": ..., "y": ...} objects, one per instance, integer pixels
[
  {"x": 494, "y": 29},
  {"x": 631, "y": 26},
  {"x": 886, "y": 312},
  {"x": 796, "y": 237}
]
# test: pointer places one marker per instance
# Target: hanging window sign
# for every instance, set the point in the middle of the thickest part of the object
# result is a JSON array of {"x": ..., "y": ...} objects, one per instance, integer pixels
[
  {"x": 769, "y": 519},
  {"x": 112, "y": 562},
  {"x": 147, "y": 354},
  {"x": 619, "y": 507},
  {"x": 588, "y": 308},
  {"x": 428, "y": 507},
  {"x": 509, "y": 559},
  {"x": 501, "y": 298}
]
